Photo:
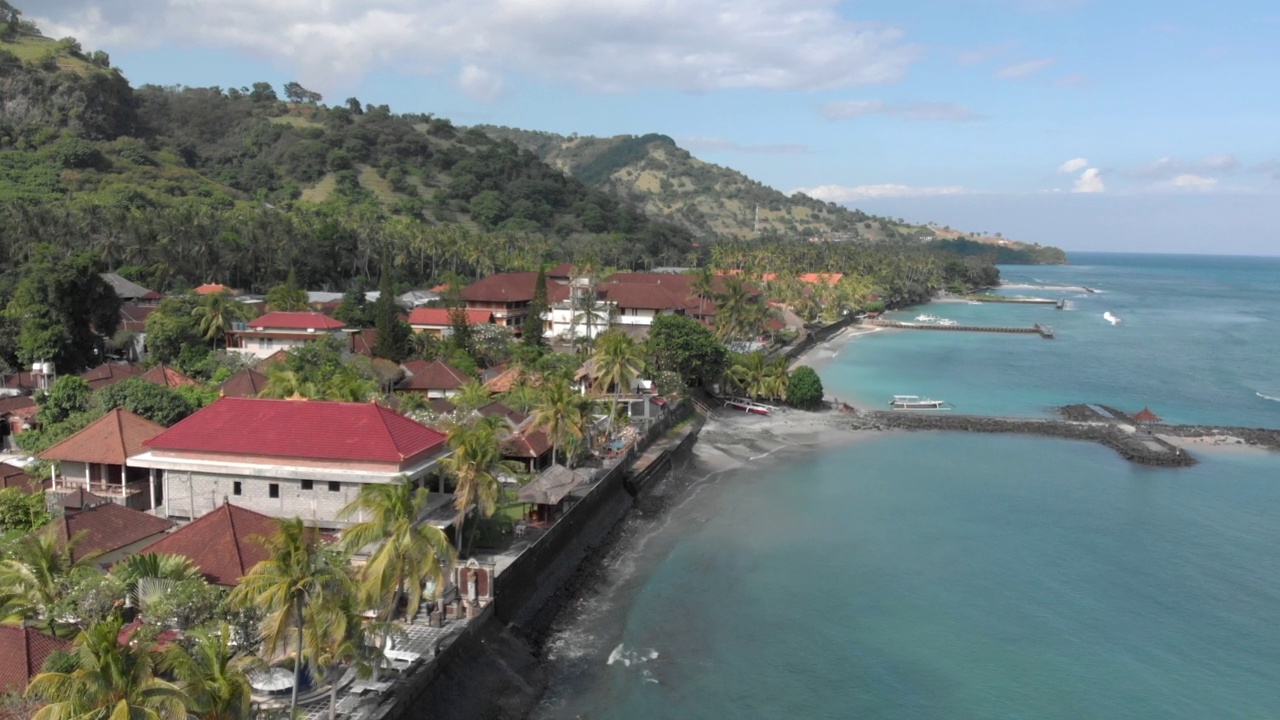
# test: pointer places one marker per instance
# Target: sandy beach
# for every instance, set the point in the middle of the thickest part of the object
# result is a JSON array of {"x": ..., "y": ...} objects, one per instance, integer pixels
[{"x": 1216, "y": 444}]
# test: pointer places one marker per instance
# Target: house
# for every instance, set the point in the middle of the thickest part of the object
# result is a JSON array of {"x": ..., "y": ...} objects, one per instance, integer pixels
[
  {"x": 111, "y": 531},
  {"x": 224, "y": 543},
  {"x": 108, "y": 374},
  {"x": 246, "y": 383},
  {"x": 508, "y": 295},
  {"x": 362, "y": 341},
  {"x": 12, "y": 476},
  {"x": 17, "y": 415},
  {"x": 281, "y": 331},
  {"x": 530, "y": 448},
  {"x": 504, "y": 381},
  {"x": 133, "y": 318},
  {"x": 98, "y": 459},
  {"x": 436, "y": 379},
  {"x": 166, "y": 376},
  {"x": 438, "y": 321},
  {"x": 23, "y": 651},
  {"x": 286, "y": 458},
  {"x": 547, "y": 492},
  {"x": 582, "y": 313},
  {"x": 129, "y": 291}
]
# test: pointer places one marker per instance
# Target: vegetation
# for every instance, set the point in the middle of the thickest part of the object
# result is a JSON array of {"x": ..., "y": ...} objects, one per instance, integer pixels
[
  {"x": 804, "y": 388},
  {"x": 474, "y": 466},
  {"x": 758, "y": 377},
  {"x": 686, "y": 347}
]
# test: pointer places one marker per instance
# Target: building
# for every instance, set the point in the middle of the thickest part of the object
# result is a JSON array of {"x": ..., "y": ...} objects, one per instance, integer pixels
[
  {"x": 12, "y": 476},
  {"x": 286, "y": 458},
  {"x": 133, "y": 318},
  {"x": 110, "y": 531},
  {"x": 224, "y": 543},
  {"x": 508, "y": 295},
  {"x": 281, "y": 331},
  {"x": 435, "y": 379},
  {"x": 108, "y": 374},
  {"x": 582, "y": 313},
  {"x": 23, "y": 651},
  {"x": 166, "y": 376},
  {"x": 247, "y": 383},
  {"x": 438, "y": 321},
  {"x": 97, "y": 459},
  {"x": 17, "y": 415},
  {"x": 129, "y": 291}
]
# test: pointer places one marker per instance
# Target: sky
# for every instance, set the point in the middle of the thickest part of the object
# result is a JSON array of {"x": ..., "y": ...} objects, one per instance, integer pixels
[{"x": 1114, "y": 125}]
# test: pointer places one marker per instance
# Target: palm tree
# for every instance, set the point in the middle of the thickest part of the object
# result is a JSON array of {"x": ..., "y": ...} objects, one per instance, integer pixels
[
  {"x": 338, "y": 635},
  {"x": 135, "y": 568},
  {"x": 285, "y": 383},
  {"x": 33, "y": 577},
  {"x": 738, "y": 312},
  {"x": 617, "y": 363},
  {"x": 558, "y": 413},
  {"x": 299, "y": 572},
  {"x": 217, "y": 313},
  {"x": 758, "y": 377},
  {"x": 475, "y": 464},
  {"x": 112, "y": 681},
  {"x": 212, "y": 675},
  {"x": 703, "y": 286},
  {"x": 410, "y": 552},
  {"x": 471, "y": 396}
]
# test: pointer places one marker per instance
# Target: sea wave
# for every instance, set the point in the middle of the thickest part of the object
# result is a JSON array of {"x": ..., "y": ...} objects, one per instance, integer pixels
[
  {"x": 627, "y": 657},
  {"x": 1272, "y": 398}
]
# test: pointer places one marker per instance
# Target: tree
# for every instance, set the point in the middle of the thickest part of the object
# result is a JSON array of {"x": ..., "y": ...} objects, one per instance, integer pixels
[
  {"x": 156, "y": 566},
  {"x": 391, "y": 337},
  {"x": 471, "y": 396},
  {"x": 409, "y": 551},
  {"x": 804, "y": 388},
  {"x": 703, "y": 286},
  {"x": 262, "y": 92},
  {"x": 759, "y": 377},
  {"x": 474, "y": 466},
  {"x": 32, "y": 578},
  {"x": 288, "y": 296},
  {"x": 559, "y": 413},
  {"x": 21, "y": 511},
  {"x": 156, "y": 403},
  {"x": 490, "y": 344},
  {"x": 68, "y": 395},
  {"x": 298, "y": 573},
  {"x": 617, "y": 364},
  {"x": 173, "y": 327},
  {"x": 682, "y": 345},
  {"x": 460, "y": 334},
  {"x": 354, "y": 309},
  {"x": 112, "y": 681},
  {"x": 212, "y": 675},
  {"x": 215, "y": 314},
  {"x": 64, "y": 309},
  {"x": 532, "y": 331},
  {"x": 294, "y": 91}
]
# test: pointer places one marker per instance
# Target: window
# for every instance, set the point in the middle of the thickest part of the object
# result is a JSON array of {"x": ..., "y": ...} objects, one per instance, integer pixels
[
  {"x": 267, "y": 343},
  {"x": 273, "y": 490},
  {"x": 306, "y": 484},
  {"x": 335, "y": 486},
  {"x": 235, "y": 488}
]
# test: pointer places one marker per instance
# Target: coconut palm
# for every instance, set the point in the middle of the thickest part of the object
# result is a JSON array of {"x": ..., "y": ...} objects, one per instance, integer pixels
[
  {"x": 471, "y": 396},
  {"x": 285, "y": 383},
  {"x": 33, "y": 577},
  {"x": 757, "y": 377},
  {"x": 703, "y": 286},
  {"x": 409, "y": 553},
  {"x": 558, "y": 413},
  {"x": 338, "y": 635},
  {"x": 113, "y": 681},
  {"x": 592, "y": 312},
  {"x": 617, "y": 363},
  {"x": 738, "y": 312},
  {"x": 217, "y": 313},
  {"x": 298, "y": 572},
  {"x": 212, "y": 675},
  {"x": 475, "y": 465}
]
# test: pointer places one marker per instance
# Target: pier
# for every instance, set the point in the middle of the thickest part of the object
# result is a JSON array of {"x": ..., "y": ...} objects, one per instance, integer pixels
[
  {"x": 1042, "y": 330},
  {"x": 1059, "y": 304}
]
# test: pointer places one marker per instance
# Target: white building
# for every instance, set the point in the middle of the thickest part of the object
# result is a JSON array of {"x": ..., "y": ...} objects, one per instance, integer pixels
[{"x": 282, "y": 331}]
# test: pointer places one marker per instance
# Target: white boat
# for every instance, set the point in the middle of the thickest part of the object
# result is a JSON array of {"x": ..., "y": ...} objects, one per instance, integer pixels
[
  {"x": 915, "y": 402},
  {"x": 926, "y": 318},
  {"x": 750, "y": 406}
]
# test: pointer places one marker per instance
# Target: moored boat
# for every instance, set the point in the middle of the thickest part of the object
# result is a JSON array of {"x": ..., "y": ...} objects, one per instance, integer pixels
[
  {"x": 748, "y": 405},
  {"x": 915, "y": 402}
]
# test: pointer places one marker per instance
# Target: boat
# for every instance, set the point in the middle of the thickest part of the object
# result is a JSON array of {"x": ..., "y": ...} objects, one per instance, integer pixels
[
  {"x": 1113, "y": 319},
  {"x": 915, "y": 402},
  {"x": 748, "y": 405},
  {"x": 926, "y": 318},
  {"x": 975, "y": 302}
]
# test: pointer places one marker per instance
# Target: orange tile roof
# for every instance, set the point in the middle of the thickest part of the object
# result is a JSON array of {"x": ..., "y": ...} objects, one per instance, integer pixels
[
  {"x": 509, "y": 378},
  {"x": 224, "y": 543},
  {"x": 109, "y": 374},
  {"x": 214, "y": 288},
  {"x": 440, "y": 317},
  {"x": 527, "y": 445},
  {"x": 109, "y": 440},
  {"x": 168, "y": 377}
]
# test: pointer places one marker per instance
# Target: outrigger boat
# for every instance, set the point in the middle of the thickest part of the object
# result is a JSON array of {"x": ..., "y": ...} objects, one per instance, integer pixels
[
  {"x": 915, "y": 402},
  {"x": 748, "y": 405}
]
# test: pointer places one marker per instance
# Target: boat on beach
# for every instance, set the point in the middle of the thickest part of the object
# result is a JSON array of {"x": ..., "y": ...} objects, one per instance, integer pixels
[
  {"x": 749, "y": 405},
  {"x": 915, "y": 402}
]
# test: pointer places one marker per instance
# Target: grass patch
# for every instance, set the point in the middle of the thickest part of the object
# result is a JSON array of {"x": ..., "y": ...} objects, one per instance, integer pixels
[
  {"x": 321, "y": 190},
  {"x": 375, "y": 184},
  {"x": 35, "y": 48},
  {"x": 296, "y": 121}
]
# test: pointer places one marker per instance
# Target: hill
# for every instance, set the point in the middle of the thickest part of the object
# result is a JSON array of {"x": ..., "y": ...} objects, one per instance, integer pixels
[{"x": 714, "y": 202}]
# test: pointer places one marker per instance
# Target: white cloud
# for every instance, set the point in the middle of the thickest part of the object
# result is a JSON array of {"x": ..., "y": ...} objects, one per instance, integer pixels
[
  {"x": 1224, "y": 162},
  {"x": 599, "y": 45},
  {"x": 1090, "y": 181},
  {"x": 1195, "y": 182},
  {"x": 480, "y": 84},
  {"x": 1022, "y": 71},
  {"x": 843, "y": 193},
  {"x": 713, "y": 144},
  {"x": 909, "y": 110},
  {"x": 1073, "y": 165}
]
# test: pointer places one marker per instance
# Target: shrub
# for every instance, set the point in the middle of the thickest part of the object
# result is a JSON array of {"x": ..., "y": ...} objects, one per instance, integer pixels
[{"x": 804, "y": 388}]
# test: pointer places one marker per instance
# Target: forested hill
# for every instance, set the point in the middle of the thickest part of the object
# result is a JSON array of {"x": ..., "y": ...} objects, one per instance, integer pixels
[
  {"x": 669, "y": 183},
  {"x": 178, "y": 186}
]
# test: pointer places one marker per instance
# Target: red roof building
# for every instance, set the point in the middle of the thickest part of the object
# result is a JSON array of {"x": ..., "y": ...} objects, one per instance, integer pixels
[
  {"x": 277, "y": 331},
  {"x": 247, "y": 383},
  {"x": 17, "y": 478},
  {"x": 225, "y": 543},
  {"x": 108, "y": 374},
  {"x": 436, "y": 379},
  {"x": 23, "y": 651},
  {"x": 286, "y": 458},
  {"x": 17, "y": 414},
  {"x": 110, "y": 530},
  {"x": 530, "y": 448},
  {"x": 438, "y": 321},
  {"x": 134, "y": 317},
  {"x": 167, "y": 377},
  {"x": 97, "y": 459},
  {"x": 507, "y": 296}
]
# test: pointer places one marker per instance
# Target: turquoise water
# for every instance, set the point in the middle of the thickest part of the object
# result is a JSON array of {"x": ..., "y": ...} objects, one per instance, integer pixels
[{"x": 959, "y": 576}]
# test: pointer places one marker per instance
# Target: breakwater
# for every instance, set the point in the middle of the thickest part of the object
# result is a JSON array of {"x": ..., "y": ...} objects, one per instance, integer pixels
[
  {"x": 1138, "y": 448},
  {"x": 1043, "y": 331}
]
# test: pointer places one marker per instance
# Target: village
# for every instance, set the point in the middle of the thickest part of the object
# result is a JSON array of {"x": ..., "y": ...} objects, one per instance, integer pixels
[{"x": 153, "y": 510}]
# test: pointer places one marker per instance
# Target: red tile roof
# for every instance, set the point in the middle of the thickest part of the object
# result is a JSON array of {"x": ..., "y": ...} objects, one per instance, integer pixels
[
  {"x": 22, "y": 380},
  {"x": 296, "y": 321},
  {"x": 646, "y": 297},
  {"x": 81, "y": 499},
  {"x": 22, "y": 655},
  {"x": 440, "y": 317},
  {"x": 109, "y": 440},
  {"x": 16, "y": 404},
  {"x": 246, "y": 383},
  {"x": 362, "y": 342},
  {"x": 527, "y": 445},
  {"x": 134, "y": 317},
  {"x": 17, "y": 478},
  {"x": 434, "y": 375},
  {"x": 166, "y": 376},
  {"x": 563, "y": 270},
  {"x": 109, "y": 374},
  {"x": 300, "y": 429},
  {"x": 223, "y": 543},
  {"x": 500, "y": 410},
  {"x": 278, "y": 356},
  {"x": 107, "y": 528},
  {"x": 513, "y": 287},
  {"x": 213, "y": 288}
]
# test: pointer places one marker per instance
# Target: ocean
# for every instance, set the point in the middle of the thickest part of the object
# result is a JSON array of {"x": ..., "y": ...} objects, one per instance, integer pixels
[{"x": 956, "y": 576}]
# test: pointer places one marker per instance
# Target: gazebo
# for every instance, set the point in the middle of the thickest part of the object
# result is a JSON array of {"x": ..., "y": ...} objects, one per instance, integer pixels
[
  {"x": 1147, "y": 418},
  {"x": 547, "y": 491}
]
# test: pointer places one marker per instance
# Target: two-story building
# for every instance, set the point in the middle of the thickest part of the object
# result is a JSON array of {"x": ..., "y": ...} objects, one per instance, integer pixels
[
  {"x": 508, "y": 296},
  {"x": 438, "y": 321},
  {"x": 277, "y": 331},
  {"x": 286, "y": 458}
]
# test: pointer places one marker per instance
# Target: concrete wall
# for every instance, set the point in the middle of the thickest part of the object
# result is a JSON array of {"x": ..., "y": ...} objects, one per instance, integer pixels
[{"x": 205, "y": 491}]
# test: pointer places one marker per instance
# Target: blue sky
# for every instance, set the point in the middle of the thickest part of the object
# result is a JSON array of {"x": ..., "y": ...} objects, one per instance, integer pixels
[{"x": 1089, "y": 124}]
